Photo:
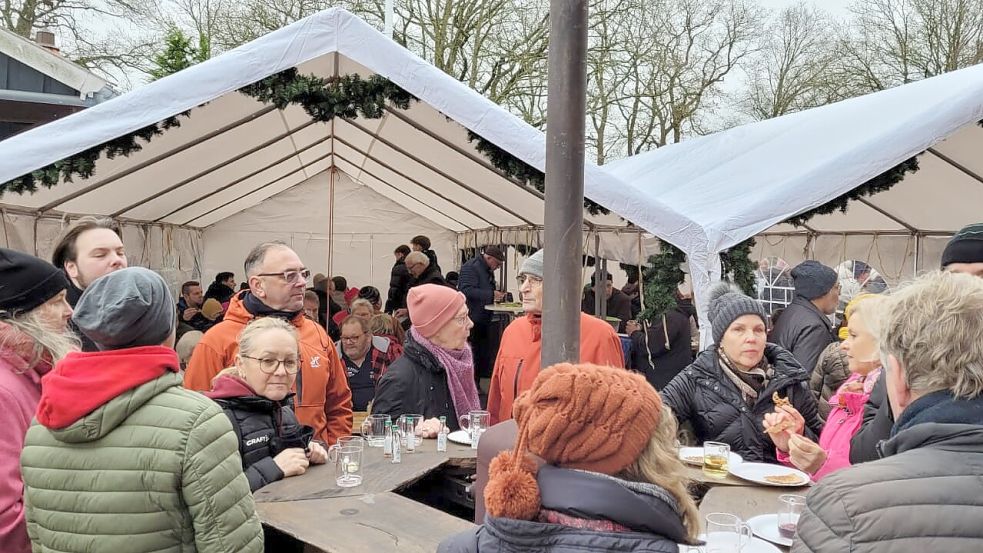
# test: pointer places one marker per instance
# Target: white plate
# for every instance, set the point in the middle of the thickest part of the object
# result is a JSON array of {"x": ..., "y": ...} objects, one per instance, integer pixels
[
  {"x": 685, "y": 452},
  {"x": 756, "y": 545},
  {"x": 460, "y": 437},
  {"x": 756, "y": 472},
  {"x": 766, "y": 528}
]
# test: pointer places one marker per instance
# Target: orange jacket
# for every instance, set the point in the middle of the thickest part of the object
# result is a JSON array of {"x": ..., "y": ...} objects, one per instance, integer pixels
[
  {"x": 323, "y": 399},
  {"x": 519, "y": 358}
]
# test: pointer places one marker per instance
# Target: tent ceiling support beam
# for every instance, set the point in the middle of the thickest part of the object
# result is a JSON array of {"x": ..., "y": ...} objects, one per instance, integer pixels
[
  {"x": 217, "y": 166},
  {"x": 897, "y": 220},
  {"x": 383, "y": 181},
  {"x": 438, "y": 171},
  {"x": 484, "y": 163},
  {"x": 155, "y": 159},
  {"x": 409, "y": 178},
  {"x": 957, "y": 165},
  {"x": 56, "y": 214},
  {"x": 271, "y": 183},
  {"x": 247, "y": 177}
]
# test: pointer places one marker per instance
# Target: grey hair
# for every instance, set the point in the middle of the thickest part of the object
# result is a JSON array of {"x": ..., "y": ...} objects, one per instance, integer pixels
[
  {"x": 933, "y": 326},
  {"x": 362, "y": 302},
  {"x": 418, "y": 257},
  {"x": 55, "y": 344},
  {"x": 258, "y": 254}
]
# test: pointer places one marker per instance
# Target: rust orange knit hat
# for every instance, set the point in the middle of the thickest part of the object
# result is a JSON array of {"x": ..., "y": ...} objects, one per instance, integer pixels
[{"x": 584, "y": 417}]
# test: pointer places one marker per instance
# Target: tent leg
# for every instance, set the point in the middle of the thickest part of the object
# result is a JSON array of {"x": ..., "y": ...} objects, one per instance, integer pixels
[
  {"x": 567, "y": 104},
  {"x": 598, "y": 277},
  {"x": 334, "y": 173}
]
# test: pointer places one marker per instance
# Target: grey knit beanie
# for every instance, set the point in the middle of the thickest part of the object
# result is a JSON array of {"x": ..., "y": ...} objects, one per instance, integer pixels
[
  {"x": 727, "y": 304},
  {"x": 533, "y": 265},
  {"x": 812, "y": 279},
  {"x": 126, "y": 309}
]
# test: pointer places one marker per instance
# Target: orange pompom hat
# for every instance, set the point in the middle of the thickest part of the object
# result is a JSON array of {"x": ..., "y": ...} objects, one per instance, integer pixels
[{"x": 584, "y": 417}]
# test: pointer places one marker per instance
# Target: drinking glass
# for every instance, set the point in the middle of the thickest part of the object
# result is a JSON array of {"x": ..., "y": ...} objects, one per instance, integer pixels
[
  {"x": 789, "y": 508},
  {"x": 726, "y": 533},
  {"x": 407, "y": 427},
  {"x": 348, "y": 464},
  {"x": 374, "y": 429},
  {"x": 716, "y": 459},
  {"x": 475, "y": 422}
]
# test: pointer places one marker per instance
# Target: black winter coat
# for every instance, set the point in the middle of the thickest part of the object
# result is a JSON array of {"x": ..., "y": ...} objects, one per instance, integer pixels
[
  {"x": 415, "y": 384},
  {"x": 264, "y": 428},
  {"x": 804, "y": 331},
  {"x": 703, "y": 395},
  {"x": 666, "y": 362},
  {"x": 399, "y": 285},
  {"x": 877, "y": 426},
  {"x": 430, "y": 276},
  {"x": 477, "y": 283}
]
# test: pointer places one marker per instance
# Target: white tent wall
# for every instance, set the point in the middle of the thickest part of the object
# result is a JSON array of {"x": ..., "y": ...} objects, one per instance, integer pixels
[
  {"x": 367, "y": 228},
  {"x": 174, "y": 252}
]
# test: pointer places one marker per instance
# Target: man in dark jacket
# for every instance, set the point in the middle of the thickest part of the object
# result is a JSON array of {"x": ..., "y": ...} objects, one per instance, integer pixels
[
  {"x": 189, "y": 307},
  {"x": 399, "y": 281},
  {"x": 422, "y": 271},
  {"x": 662, "y": 351},
  {"x": 477, "y": 283},
  {"x": 223, "y": 288},
  {"x": 422, "y": 244},
  {"x": 925, "y": 494},
  {"x": 618, "y": 302},
  {"x": 963, "y": 254},
  {"x": 804, "y": 328}
]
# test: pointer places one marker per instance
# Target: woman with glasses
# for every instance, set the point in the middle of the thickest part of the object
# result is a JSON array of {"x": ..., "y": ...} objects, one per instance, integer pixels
[
  {"x": 435, "y": 375},
  {"x": 255, "y": 395}
]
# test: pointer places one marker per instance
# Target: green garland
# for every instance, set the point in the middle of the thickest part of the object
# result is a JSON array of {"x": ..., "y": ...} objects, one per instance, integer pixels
[
  {"x": 738, "y": 268},
  {"x": 520, "y": 170},
  {"x": 83, "y": 164},
  {"x": 661, "y": 279}
]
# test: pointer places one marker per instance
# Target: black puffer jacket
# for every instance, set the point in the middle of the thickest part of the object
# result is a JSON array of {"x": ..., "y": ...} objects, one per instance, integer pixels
[
  {"x": 416, "y": 383},
  {"x": 703, "y": 395},
  {"x": 264, "y": 428}
]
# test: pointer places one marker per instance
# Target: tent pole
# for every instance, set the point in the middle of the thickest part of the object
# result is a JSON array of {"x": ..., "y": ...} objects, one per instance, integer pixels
[
  {"x": 603, "y": 311},
  {"x": 334, "y": 173},
  {"x": 918, "y": 251},
  {"x": 598, "y": 277},
  {"x": 564, "y": 221}
]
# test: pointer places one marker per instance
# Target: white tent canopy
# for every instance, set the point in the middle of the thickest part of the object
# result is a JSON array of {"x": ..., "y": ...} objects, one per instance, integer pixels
[
  {"x": 234, "y": 154},
  {"x": 744, "y": 181}
]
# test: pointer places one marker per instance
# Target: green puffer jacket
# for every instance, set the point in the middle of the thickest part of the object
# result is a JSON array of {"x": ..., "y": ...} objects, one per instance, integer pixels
[{"x": 154, "y": 469}]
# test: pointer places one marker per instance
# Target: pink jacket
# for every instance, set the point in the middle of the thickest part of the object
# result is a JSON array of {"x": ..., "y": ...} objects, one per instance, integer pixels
[
  {"x": 20, "y": 391},
  {"x": 844, "y": 420}
]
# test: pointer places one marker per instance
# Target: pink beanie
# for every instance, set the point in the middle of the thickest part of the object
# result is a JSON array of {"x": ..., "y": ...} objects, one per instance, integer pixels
[{"x": 431, "y": 306}]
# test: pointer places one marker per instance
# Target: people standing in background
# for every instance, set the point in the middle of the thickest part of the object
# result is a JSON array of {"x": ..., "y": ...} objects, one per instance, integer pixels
[
  {"x": 312, "y": 305},
  {"x": 89, "y": 249},
  {"x": 339, "y": 287},
  {"x": 121, "y": 457},
  {"x": 189, "y": 306},
  {"x": 399, "y": 281},
  {"x": 804, "y": 328},
  {"x": 663, "y": 349},
  {"x": 277, "y": 282},
  {"x": 518, "y": 360},
  {"x": 422, "y": 244},
  {"x": 618, "y": 303},
  {"x": 34, "y": 335},
  {"x": 423, "y": 271},
  {"x": 222, "y": 288},
  {"x": 477, "y": 283},
  {"x": 365, "y": 361}
]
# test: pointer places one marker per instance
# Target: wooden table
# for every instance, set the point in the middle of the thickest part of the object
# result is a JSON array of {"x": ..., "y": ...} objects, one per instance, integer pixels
[
  {"x": 746, "y": 502},
  {"x": 370, "y": 517},
  {"x": 695, "y": 474}
]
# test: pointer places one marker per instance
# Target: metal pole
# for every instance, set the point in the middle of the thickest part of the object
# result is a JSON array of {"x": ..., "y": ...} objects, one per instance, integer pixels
[
  {"x": 598, "y": 277},
  {"x": 564, "y": 221},
  {"x": 602, "y": 312}
]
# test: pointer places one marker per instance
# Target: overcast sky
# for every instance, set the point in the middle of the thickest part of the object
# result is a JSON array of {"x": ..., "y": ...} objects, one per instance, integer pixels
[{"x": 834, "y": 7}]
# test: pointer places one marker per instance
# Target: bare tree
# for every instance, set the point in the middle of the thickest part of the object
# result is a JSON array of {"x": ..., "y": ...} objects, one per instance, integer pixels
[{"x": 791, "y": 71}]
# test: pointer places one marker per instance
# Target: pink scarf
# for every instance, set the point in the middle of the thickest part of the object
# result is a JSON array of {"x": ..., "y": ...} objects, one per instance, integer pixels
[{"x": 459, "y": 366}]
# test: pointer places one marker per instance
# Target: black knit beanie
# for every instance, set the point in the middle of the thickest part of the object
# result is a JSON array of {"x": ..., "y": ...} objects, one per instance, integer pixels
[
  {"x": 26, "y": 282},
  {"x": 965, "y": 247}
]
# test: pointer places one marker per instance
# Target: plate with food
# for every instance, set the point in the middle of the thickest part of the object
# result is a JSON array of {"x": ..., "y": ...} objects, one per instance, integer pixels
[
  {"x": 694, "y": 456},
  {"x": 771, "y": 475}
]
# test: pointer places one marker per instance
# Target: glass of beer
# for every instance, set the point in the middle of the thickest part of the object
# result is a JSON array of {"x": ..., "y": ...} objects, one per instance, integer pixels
[{"x": 716, "y": 459}]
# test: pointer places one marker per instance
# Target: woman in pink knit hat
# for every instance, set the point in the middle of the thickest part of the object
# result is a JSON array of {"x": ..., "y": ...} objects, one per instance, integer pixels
[{"x": 435, "y": 375}]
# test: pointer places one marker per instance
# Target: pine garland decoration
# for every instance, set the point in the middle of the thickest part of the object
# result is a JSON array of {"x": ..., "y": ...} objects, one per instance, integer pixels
[
  {"x": 738, "y": 267},
  {"x": 83, "y": 164},
  {"x": 662, "y": 277},
  {"x": 520, "y": 170}
]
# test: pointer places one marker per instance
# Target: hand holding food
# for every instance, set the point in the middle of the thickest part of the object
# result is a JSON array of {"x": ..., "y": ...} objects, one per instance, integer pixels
[{"x": 805, "y": 454}]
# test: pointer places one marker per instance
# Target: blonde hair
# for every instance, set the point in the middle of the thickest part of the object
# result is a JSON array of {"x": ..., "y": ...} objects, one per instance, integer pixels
[
  {"x": 361, "y": 302},
  {"x": 386, "y": 325},
  {"x": 934, "y": 327},
  {"x": 868, "y": 308},
  {"x": 659, "y": 464},
  {"x": 46, "y": 344},
  {"x": 247, "y": 337}
]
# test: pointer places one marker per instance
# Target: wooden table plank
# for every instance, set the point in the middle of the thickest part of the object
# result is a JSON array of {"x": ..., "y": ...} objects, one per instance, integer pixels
[
  {"x": 370, "y": 523},
  {"x": 379, "y": 474},
  {"x": 747, "y": 501},
  {"x": 695, "y": 474}
]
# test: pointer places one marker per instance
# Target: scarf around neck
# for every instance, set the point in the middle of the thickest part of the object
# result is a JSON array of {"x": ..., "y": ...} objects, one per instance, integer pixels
[
  {"x": 749, "y": 392},
  {"x": 259, "y": 309},
  {"x": 458, "y": 364}
]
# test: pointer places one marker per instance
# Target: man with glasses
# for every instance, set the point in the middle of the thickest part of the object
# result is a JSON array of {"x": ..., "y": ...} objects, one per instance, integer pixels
[
  {"x": 518, "y": 360},
  {"x": 364, "y": 362},
  {"x": 277, "y": 282},
  {"x": 804, "y": 328}
]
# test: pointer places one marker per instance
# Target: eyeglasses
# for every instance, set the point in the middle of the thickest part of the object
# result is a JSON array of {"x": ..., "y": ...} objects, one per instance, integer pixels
[
  {"x": 290, "y": 276},
  {"x": 352, "y": 338},
  {"x": 462, "y": 320},
  {"x": 533, "y": 280},
  {"x": 270, "y": 366}
]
